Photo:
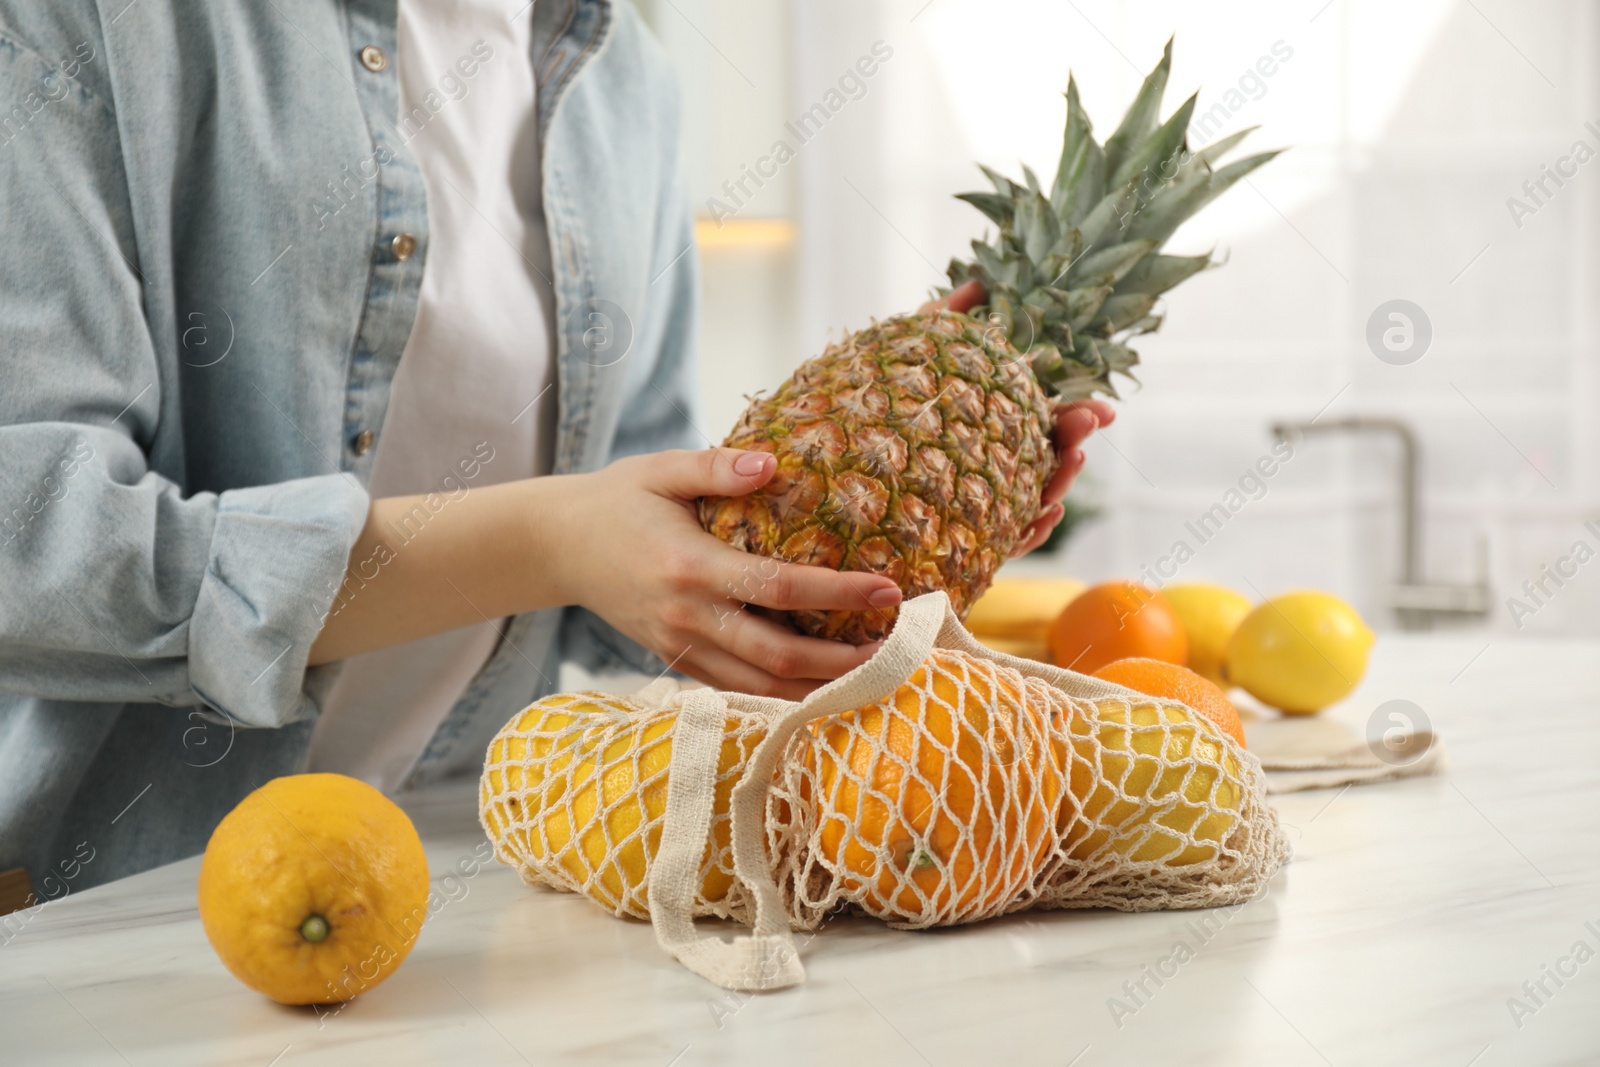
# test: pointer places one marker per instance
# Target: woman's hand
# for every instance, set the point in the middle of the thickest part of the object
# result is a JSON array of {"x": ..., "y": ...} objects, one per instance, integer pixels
[
  {"x": 630, "y": 548},
  {"x": 1075, "y": 421},
  {"x": 623, "y": 542}
]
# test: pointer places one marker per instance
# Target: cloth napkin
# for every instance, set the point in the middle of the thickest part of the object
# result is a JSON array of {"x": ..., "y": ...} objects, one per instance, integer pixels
[{"x": 1313, "y": 752}]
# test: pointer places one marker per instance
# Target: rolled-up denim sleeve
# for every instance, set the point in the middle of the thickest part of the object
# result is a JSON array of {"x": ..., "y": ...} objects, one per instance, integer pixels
[
  {"x": 116, "y": 584},
  {"x": 276, "y": 558}
]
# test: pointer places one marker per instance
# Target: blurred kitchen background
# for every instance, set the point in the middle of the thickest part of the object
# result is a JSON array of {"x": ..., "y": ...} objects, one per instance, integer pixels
[{"x": 1410, "y": 124}]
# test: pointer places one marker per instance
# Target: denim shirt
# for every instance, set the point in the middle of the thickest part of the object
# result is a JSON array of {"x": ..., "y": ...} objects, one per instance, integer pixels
[{"x": 204, "y": 294}]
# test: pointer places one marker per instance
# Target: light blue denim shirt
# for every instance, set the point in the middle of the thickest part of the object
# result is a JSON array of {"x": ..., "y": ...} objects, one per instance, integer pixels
[{"x": 202, "y": 305}]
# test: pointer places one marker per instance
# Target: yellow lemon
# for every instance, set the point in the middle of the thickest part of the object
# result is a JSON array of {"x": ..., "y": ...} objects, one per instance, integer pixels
[
  {"x": 1299, "y": 652},
  {"x": 313, "y": 889},
  {"x": 1151, "y": 783},
  {"x": 575, "y": 789},
  {"x": 1210, "y": 614},
  {"x": 1021, "y": 609}
]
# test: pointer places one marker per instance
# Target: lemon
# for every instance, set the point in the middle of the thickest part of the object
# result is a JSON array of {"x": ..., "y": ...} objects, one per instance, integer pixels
[
  {"x": 313, "y": 889},
  {"x": 1147, "y": 783},
  {"x": 574, "y": 791},
  {"x": 1210, "y": 614},
  {"x": 1299, "y": 652},
  {"x": 1021, "y": 609}
]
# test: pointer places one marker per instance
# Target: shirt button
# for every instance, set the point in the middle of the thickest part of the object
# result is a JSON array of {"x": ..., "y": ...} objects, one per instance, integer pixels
[
  {"x": 373, "y": 59},
  {"x": 402, "y": 246},
  {"x": 362, "y": 444}
]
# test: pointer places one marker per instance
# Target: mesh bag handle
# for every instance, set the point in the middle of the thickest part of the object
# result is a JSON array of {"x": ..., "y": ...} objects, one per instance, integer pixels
[
  {"x": 766, "y": 959},
  {"x": 756, "y": 962}
]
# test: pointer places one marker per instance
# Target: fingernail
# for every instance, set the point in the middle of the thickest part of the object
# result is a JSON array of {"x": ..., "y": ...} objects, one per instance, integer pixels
[
  {"x": 887, "y": 597},
  {"x": 751, "y": 464}
]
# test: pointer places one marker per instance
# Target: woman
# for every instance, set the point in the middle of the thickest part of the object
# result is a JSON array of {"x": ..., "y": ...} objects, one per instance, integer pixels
[{"x": 342, "y": 347}]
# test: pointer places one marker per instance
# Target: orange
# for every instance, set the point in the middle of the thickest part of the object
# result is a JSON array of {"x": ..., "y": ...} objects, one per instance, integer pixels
[
  {"x": 940, "y": 802},
  {"x": 313, "y": 889},
  {"x": 1156, "y": 678},
  {"x": 1115, "y": 620}
]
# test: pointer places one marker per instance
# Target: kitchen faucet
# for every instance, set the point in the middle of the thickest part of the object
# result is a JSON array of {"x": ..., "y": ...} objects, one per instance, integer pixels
[{"x": 1416, "y": 603}]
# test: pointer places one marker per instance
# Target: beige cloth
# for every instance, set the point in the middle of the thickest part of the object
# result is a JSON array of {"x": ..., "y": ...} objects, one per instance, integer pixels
[{"x": 1318, "y": 753}]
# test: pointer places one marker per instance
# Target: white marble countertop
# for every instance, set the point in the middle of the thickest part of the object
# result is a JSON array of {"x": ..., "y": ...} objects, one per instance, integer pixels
[{"x": 1411, "y": 914}]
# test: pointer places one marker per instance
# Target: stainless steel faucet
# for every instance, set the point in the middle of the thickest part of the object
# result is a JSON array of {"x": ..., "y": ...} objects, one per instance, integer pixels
[{"x": 1416, "y": 603}]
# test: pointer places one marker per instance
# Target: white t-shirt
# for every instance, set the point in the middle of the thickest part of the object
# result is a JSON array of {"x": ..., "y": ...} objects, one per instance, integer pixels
[{"x": 476, "y": 376}]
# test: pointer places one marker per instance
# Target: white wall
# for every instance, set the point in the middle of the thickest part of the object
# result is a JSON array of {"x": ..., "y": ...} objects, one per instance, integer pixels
[{"x": 1411, "y": 125}]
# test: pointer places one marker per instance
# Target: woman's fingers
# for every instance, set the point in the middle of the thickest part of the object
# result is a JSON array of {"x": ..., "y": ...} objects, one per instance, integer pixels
[
  {"x": 963, "y": 297},
  {"x": 1037, "y": 531},
  {"x": 1104, "y": 414},
  {"x": 724, "y": 670},
  {"x": 1074, "y": 423},
  {"x": 785, "y": 654},
  {"x": 1073, "y": 426},
  {"x": 1055, "y": 490},
  {"x": 769, "y": 583},
  {"x": 685, "y": 475}
]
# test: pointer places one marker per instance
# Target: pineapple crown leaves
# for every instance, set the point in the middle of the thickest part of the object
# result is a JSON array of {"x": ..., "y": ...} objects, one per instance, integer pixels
[{"x": 1076, "y": 269}]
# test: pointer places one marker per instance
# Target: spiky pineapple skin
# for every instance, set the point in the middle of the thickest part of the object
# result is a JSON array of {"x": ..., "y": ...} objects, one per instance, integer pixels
[{"x": 916, "y": 448}]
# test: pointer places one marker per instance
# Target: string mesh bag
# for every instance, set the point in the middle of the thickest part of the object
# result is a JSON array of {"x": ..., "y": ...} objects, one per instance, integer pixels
[
  {"x": 574, "y": 794},
  {"x": 940, "y": 783},
  {"x": 1164, "y": 810},
  {"x": 934, "y": 806}
]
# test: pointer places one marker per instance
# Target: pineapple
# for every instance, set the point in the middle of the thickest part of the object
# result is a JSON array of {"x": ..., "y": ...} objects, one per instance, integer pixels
[{"x": 918, "y": 447}]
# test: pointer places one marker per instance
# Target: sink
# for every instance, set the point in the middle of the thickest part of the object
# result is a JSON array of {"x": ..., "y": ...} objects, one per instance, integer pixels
[{"x": 1417, "y": 603}]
